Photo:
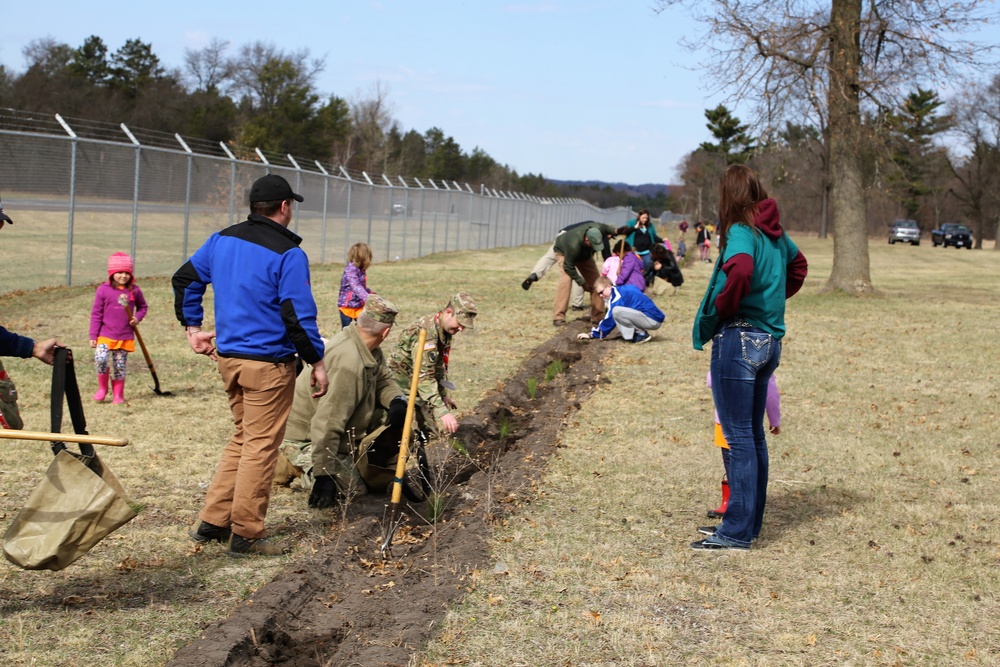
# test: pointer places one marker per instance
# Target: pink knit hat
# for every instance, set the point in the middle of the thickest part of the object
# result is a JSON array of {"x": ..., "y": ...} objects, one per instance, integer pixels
[{"x": 119, "y": 262}]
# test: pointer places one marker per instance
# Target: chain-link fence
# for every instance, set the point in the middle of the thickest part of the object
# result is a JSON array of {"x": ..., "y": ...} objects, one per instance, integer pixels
[{"x": 82, "y": 194}]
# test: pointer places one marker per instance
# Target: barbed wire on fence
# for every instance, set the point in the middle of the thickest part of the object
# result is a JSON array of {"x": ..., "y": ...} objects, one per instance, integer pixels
[{"x": 91, "y": 188}]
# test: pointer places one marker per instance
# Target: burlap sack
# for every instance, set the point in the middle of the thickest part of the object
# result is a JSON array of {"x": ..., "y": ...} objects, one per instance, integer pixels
[{"x": 76, "y": 505}]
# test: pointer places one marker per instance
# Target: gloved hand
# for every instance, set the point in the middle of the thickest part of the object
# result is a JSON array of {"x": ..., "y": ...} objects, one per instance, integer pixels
[
  {"x": 324, "y": 492},
  {"x": 623, "y": 230},
  {"x": 397, "y": 412}
]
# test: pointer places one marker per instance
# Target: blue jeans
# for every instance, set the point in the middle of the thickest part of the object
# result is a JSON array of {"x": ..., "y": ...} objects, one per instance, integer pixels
[
  {"x": 345, "y": 321},
  {"x": 743, "y": 360}
]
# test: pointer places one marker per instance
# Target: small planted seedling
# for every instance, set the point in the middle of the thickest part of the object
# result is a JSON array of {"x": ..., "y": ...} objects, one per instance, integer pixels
[
  {"x": 436, "y": 505},
  {"x": 506, "y": 428},
  {"x": 553, "y": 369},
  {"x": 532, "y": 388}
]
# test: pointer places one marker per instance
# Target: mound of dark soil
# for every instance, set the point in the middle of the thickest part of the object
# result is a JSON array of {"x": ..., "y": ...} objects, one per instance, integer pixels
[{"x": 346, "y": 605}]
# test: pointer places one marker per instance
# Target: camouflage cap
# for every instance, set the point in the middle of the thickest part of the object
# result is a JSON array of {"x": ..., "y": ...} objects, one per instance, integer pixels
[
  {"x": 380, "y": 309},
  {"x": 464, "y": 308}
]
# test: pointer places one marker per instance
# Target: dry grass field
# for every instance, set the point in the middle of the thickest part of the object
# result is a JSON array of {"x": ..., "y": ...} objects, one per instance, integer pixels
[{"x": 878, "y": 546}]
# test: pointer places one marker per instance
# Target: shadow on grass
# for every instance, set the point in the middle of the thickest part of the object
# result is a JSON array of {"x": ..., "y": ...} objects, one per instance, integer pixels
[{"x": 790, "y": 506}]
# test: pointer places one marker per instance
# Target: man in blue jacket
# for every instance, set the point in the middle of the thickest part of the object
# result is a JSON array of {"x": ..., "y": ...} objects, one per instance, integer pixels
[
  {"x": 629, "y": 309},
  {"x": 265, "y": 314}
]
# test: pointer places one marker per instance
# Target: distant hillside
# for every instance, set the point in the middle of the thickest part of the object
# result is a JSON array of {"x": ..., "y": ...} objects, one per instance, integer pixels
[{"x": 646, "y": 189}]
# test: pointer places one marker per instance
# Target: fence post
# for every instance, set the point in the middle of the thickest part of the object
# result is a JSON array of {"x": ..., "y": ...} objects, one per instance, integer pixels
[
  {"x": 420, "y": 238},
  {"x": 434, "y": 231},
  {"x": 322, "y": 232},
  {"x": 406, "y": 213},
  {"x": 388, "y": 231},
  {"x": 74, "y": 140},
  {"x": 267, "y": 165},
  {"x": 232, "y": 182},
  {"x": 468, "y": 234},
  {"x": 482, "y": 200},
  {"x": 298, "y": 189},
  {"x": 347, "y": 227},
  {"x": 135, "y": 190},
  {"x": 447, "y": 213},
  {"x": 187, "y": 195},
  {"x": 371, "y": 195}
]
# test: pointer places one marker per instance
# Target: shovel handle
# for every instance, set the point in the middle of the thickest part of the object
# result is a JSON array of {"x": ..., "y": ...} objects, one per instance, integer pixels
[
  {"x": 404, "y": 443},
  {"x": 11, "y": 434}
]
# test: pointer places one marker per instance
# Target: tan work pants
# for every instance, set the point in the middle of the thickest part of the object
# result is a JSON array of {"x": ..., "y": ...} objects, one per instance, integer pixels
[
  {"x": 588, "y": 270},
  {"x": 546, "y": 262},
  {"x": 260, "y": 397}
]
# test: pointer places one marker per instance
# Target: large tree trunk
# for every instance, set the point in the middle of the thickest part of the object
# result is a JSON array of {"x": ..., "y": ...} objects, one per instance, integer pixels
[{"x": 851, "y": 272}]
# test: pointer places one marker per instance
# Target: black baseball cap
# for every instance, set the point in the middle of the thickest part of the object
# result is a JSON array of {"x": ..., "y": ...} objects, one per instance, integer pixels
[
  {"x": 3, "y": 216},
  {"x": 272, "y": 188}
]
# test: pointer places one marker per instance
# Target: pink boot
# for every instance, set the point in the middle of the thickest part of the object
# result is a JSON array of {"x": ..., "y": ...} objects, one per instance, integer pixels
[
  {"x": 118, "y": 389},
  {"x": 102, "y": 387}
]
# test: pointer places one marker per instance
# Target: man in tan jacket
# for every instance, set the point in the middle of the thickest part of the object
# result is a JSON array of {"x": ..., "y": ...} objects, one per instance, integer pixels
[{"x": 349, "y": 438}]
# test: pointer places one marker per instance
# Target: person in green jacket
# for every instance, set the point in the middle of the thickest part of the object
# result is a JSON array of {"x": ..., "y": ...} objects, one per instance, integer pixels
[
  {"x": 743, "y": 314},
  {"x": 574, "y": 251}
]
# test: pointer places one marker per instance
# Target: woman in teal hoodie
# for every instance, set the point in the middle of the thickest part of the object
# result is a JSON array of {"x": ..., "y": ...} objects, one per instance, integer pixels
[{"x": 743, "y": 314}]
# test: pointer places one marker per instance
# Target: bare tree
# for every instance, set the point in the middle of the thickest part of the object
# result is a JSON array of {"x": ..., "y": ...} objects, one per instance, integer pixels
[
  {"x": 838, "y": 55},
  {"x": 371, "y": 119},
  {"x": 977, "y": 123},
  {"x": 209, "y": 68}
]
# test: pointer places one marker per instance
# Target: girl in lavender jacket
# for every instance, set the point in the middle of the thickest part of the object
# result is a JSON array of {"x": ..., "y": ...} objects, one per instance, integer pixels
[
  {"x": 111, "y": 332},
  {"x": 630, "y": 272},
  {"x": 354, "y": 285}
]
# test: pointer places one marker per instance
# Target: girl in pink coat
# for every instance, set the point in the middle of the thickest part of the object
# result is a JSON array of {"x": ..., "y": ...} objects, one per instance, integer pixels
[{"x": 111, "y": 333}]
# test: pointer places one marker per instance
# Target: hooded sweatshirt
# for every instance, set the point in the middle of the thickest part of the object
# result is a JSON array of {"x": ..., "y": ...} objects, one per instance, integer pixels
[{"x": 762, "y": 268}]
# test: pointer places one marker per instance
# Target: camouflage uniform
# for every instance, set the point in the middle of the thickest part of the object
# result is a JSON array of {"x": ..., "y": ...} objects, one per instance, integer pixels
[
  {"x": 336, "y": 435},
  {"x": 431, "y": 388}
]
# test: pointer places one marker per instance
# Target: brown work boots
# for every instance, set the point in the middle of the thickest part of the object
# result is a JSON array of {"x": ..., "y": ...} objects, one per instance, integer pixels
[{"x": 239, "y": 547}]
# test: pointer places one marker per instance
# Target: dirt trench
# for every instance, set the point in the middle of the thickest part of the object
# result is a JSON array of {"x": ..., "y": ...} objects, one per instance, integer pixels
[{"x": 345, "y": 605}]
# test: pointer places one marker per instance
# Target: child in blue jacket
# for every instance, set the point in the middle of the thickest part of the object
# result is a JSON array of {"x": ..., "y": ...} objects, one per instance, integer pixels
[{"x": 627, "y": 308}]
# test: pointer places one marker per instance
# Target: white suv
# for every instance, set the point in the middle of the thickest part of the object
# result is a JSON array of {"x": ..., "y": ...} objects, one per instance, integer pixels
[{"x": 905, "y": 231}]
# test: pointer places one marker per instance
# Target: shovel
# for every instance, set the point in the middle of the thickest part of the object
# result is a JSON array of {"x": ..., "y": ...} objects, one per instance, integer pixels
[
  {"x": 78, "y": 438},
  {"x": 395, "y": 516},
  {"x": 145, "y": 353}
]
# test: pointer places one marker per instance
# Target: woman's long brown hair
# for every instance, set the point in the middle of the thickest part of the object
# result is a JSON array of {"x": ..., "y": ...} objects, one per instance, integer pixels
[{"x": 739, "y": 193}]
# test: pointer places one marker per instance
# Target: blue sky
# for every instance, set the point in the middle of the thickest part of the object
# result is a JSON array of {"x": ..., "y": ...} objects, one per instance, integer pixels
[{"x": 570, "y": 89}]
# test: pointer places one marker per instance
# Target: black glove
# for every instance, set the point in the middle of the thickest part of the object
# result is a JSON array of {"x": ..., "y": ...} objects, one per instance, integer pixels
[
  {"x": 623, "y": 230},
  {"x": 324, "y": 492},
  {"x": 397, "y": 412}
]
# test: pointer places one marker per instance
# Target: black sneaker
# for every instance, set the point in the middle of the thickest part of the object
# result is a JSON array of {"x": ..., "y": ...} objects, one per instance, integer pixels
[
  {"x": 527, "y": 281},
  {"x": 642, "y": 337},
  {"x": 707, "y": 530},
  {"x": 579, "y": 307},
  {"x": 241, "y": 547},
  {"x": 709, "y": 544},
  {"x": 206, "y": 532}
]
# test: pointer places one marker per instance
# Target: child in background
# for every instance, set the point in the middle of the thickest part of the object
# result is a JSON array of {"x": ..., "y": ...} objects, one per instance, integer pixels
[
  {"x": 111, "y": 333},
  {"x": 630, "y": 271},
  {"x": 354, "y": 284},
  {"x": 612, "y": 265},
  {"x": 681, "y": 248},
  {"x": 773, "y": 411}
]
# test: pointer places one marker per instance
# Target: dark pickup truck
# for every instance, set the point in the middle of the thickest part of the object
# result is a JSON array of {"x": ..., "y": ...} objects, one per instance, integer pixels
[{"x": 950, "y": 234}]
